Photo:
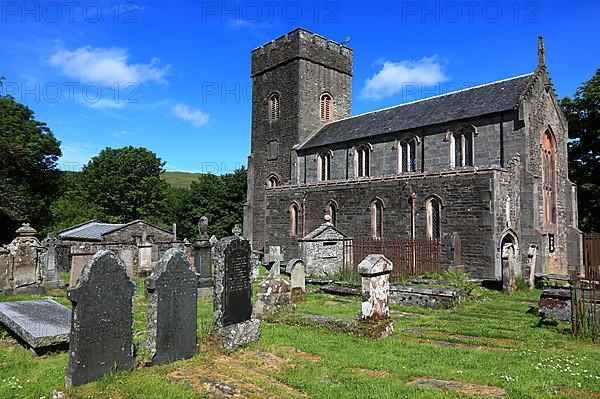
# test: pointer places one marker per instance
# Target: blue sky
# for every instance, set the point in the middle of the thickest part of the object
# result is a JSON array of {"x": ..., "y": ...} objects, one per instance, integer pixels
[{"x": 174, "y": 76}]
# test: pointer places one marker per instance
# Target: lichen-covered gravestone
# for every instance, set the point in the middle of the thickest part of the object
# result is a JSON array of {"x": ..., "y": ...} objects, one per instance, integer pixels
[
  {"x": 375, "y": 271},
  {"x": 101, "y": 338},
  {"x": 232, "y": 322},
  {"x": 203, "y": 258},
  {"x": 297, "y": 272},
  {"x": 172, "y": 294}
]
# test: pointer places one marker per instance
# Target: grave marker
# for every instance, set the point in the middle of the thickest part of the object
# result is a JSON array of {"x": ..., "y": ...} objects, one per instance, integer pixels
[
  {"x": 101, "y": 338},
  {"x": 297, "y": 271},
  {"x": 172, "y": 322}
]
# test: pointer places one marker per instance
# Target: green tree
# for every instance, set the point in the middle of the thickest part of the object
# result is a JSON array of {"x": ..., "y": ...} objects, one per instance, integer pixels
[
  {"x": 124, "y": 184},
  {"x": 28, "y": 168},
  {"x": 583, "y": 114}
]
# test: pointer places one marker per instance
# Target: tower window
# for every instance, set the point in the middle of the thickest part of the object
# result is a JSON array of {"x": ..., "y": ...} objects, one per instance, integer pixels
[
  {"x": 272, "y": 181},
  {"x": 433, "y": 208},
  {"x": 294, "y": 220},
  {"x": 362, "y": 161},
  {"x": 326, "y": 107},
  {"x": 274, "y": 101},
  {"x": 376, "y": 209},
  {"x": 548, "y": 155},
  {"x": 324, "y": 165},
  {"x": 407, "y": 155}
]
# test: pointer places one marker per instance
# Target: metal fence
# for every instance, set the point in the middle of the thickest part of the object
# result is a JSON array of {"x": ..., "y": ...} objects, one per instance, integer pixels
[
  {"x": 585, "y": 307},
  {"x": 591, "y": 255},
  {"x": 411, "y": 257}
]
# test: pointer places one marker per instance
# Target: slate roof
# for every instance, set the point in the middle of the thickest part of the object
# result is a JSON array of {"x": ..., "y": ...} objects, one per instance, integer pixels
[
  {"x": 468, "y": 103},
  {"x": 89, "y": 231}
]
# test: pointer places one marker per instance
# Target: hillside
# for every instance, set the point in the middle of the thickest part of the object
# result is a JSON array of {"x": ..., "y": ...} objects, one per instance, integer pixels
[{"x": 180, "y": 179}]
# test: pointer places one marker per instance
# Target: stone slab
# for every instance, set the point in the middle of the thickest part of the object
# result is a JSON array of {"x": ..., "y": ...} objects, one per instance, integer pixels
[
  {"x": 235, "y": 335},
  {"x": 40, "y": 323}
]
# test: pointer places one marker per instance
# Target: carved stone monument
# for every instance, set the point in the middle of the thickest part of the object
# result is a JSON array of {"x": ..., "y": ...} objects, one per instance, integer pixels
[
  {"x": 296, "y": 269},
  {"x": 232, "y": 322},
  {"x": 203, "y": 258},
  {"x": 172, "y": 294},
  {"x": 375, "y": 271},
  {"x": 101, "y": 338}
]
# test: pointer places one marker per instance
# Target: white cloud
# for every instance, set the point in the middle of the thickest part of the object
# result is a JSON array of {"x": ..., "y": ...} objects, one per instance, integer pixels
[
  {"x": 103, "y": 104},
  {"x": 194, "y": 116},
  {"x": 106, "y": 66},
  {"x": 394, "y": 76}
]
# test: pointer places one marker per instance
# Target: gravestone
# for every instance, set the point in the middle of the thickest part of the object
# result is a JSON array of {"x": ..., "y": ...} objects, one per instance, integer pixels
[
  {"x": 273, "y": 293},
  {"x": 254, "y": 265},
  {"x": 172, "y": 322},
  {"x": 457, "y": 249},
  {"x": 203, "y": 258},
  {"x": 101, "y": 338},
  {"x": 375, "y": 272},
  {"x": 41, "y": 324},
  {"x": 297, "y": 272},
  {"x": 79, "y": 258},
  {"x": 274, "y": 258},
  {"x": 50, "y": 275},
  {"x": 232, "y": 322},
  {"x": 508, "y": 269},
  {"x": 531, "y": 258}
]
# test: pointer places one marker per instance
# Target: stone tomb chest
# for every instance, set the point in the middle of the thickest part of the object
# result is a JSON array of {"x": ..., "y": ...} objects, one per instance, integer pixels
[{"x": 323, "y": 250}]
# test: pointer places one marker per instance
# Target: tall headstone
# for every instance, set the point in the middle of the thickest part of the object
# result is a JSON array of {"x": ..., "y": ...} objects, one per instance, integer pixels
[
  {"x": 203, "y": 258},
  {"x": 50, "y": 275},
  {"x": 232, "y": 322},
  {"x": 273, "y": 258},
  {"x": 297, "y": 272},
  {"x": 508, "y": 269},
  {"x": 375, "y": 272},
  {"x": 172, "y": 322},
  {"x": 531, "y": 258},
  {"x": 101, "y": 338}
]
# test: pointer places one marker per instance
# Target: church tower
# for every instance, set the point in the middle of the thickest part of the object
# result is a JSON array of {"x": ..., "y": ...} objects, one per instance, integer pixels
[{"x": 300, "y": 81}]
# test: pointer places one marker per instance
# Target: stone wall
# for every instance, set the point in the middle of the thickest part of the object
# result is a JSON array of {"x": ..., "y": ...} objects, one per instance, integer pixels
[{"x": 468, "y": 209}]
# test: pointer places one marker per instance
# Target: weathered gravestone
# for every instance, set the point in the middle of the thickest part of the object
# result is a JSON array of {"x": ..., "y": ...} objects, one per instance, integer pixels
[
  {"x": 172, "y": 294},
  {"x": 273, "y": 258},
  {"x": 203, "y": 258},
  {"x": 254, "y": 265},
  {"x": 50, "y": 275},
  {"x": 41, "y": 324},
  {"x": 232, "y": 322},
  {"x": 508, "y": 268},
  {"x": 297, "y": 272},
  {"x": 375, "y": 271},
  {"x": 101, "y": 338}
]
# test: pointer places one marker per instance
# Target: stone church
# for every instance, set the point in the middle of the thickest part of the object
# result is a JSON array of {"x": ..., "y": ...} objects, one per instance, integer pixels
[{"x": 487, "y": 164}]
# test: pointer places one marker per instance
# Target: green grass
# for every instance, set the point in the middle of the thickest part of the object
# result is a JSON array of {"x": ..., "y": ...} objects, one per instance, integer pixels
[
  {"x": 180, "y": 179},
  {"x": 499, "y": 345}
]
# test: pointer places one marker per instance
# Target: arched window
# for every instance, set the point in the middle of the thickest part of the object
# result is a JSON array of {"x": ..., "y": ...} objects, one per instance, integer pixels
[
  {"x": 433, "y": 209},
  {"x": 324, "y": 165},
  {"x": 326, "y": 107},
  {"x": 462, "y": 146},
  {"x": 362, "y": 160},
  {"x": 274, "y": 101},
  {"x": 407, "y": 150},
  {"x": 548, "y": 155},
  {"x": 376, "y": 208},
  {"x": 272, "y": 181},
  {"x": 331, "y": 210},
  {"x": 294, "y": 220}
]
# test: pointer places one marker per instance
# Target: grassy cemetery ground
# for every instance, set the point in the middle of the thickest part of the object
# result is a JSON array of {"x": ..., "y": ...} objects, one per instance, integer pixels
[{"x": 488, "y": 347}]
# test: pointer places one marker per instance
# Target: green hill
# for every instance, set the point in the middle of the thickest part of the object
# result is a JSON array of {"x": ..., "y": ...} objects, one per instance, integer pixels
[{"x": 180, "y": 179}]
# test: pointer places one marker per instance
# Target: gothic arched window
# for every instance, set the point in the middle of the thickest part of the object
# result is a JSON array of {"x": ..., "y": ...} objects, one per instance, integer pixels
[
  {"x": 407, "y": 151},
  {"x": 326, "y": 106},
  {"x": 294, "y": 220},
  {"x": 548, "y": 155},
  {"x": 462, "y": 146},
  {"x": 324, "y": 165},
  {"x": 274, "y": 101},
  {"x": 331, "y": 210},
  {"x": 362, "y": 160},
  {"x": 376, "y": 208},
  {"x": 433, "y": 209},
  {"x": 272, "y": 181}
]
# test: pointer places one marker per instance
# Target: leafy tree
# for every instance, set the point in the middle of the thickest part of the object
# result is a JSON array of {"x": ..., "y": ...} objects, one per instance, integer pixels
[
  {"x": 28, "y": 174},
  {"x": 583, "y": 115},
  {"x": 124, "y": 184}
]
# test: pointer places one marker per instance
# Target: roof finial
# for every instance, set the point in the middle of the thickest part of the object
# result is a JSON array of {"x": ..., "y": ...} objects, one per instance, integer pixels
[{"x": 541, "y": 51}]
